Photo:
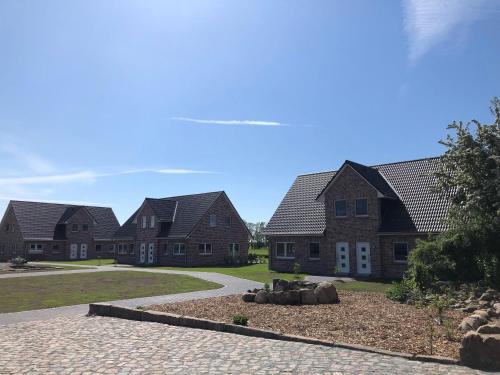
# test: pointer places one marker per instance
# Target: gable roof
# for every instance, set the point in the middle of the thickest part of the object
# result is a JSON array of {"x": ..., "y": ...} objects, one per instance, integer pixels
[
  {"x": 184, "y": 212},
  {"x": 38, "y": 220},
  {"x": 416, "y": 209}
]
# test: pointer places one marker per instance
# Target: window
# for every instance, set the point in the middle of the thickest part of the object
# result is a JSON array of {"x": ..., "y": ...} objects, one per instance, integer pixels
[
  {"x": 228, "y": 221},
  {"x": 341, "y": 208},
  {"x": 112, "y": 248},
  {"x": 85, "y": 227},
  {"x": 179, "y": 249},
  {"x": 152, "y": 222},
  {"x": 205, "y": 248},
  {"x": 122, "y": 249},
  {"x": 131, "y": 249},
  {"x": 400, "y": 252},
  {"x": 55, "y": 247},
  {"x": 144, "y": 222},
  {"x": 164, "y": 249},
  {"x": 213, "y": 220},
  {"x": 7, "y": 227},
  {"x": 314, "y": 250},
  {"x": 285, "y": 250},
  {"x": 74, "y": 228},
  {"x": 361, "y": 207},
  {"x": 234, "y": 250},
  {"x": 98, "y": 248},
  {"x": 35, "y": 248}
]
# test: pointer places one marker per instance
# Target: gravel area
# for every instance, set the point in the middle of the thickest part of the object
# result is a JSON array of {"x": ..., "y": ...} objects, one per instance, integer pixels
[{"x": 360, "y": 318}]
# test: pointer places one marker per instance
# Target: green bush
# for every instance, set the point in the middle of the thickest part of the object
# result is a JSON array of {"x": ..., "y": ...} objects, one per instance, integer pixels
[
  {"x": 401, "y": 290},
  {"x": 240, "y": 320}
]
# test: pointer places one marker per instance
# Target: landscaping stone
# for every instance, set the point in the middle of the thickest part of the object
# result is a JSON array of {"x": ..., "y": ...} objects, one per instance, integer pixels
[
  {"x": 486, "y": 296},
  {"x": 326, "y": 293},
  {"x": 262, "y": 296},
  {"x": 471, "y": 323},
  {"x": 481, "y": 351},
  {"x": 482, "y": 313},
  {"x": 490, "y": 329},
  {"x": 248, "y": 297},
  {"x": 307, "y": 297},
  {"x": 292, "y": 297}
]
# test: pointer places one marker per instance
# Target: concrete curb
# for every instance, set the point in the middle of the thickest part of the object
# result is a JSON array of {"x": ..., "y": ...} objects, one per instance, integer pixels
[{"x": 109, "y": 310}]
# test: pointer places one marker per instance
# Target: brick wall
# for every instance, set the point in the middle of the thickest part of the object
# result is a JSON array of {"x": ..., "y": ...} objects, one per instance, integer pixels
[
  {"x": 390, "y": 268},
  {"x": 11, "y": 242}
]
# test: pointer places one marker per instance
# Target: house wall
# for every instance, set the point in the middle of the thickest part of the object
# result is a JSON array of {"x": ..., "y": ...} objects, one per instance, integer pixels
[
  {"x": 325, "y": 265},
  {"x": 146, "y": 235},
  {"x": 80, "y": 237},
  {"x": 390, "y": 268},
  {"x": 11, "y": 242}
]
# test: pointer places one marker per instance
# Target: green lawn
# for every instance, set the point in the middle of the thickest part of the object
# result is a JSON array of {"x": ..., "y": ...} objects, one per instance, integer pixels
[
  {"x": 259, "y": 251},
  {"x": 364, "y": 286},
  {"x": 257, "y": 272},
  {"x": 29, "y": 293},
  {"x": 88, "y": 262}
]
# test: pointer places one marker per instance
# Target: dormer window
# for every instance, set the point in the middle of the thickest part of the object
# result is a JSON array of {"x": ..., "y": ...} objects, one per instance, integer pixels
[
  {"x": 144, "y": 222},
  {"x": 213, "y": 220},
  {"x": 362, "y": 207},
  {"x": 7, "y": 227},
  {"x": 74, "y": 228},
  {"x": 340, "y": 208},
  {"x": 152, "y": 222}
]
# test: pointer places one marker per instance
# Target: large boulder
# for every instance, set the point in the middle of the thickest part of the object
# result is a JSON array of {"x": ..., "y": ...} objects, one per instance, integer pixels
[
  {"x": 262, "y": 297},
  {"x": 490, "y": 329},
  {"x": 280, "y": 285},
  {"x": 278, "y": 298},
  {"x": 326, "y": 293},
  {"x": 307, "y": 297},
  {"x": 481, "y": 351},
  {"x": 482, "y": 313},
  {"x": 471, "y": 323},
  {"x": 248, "y": 297}
]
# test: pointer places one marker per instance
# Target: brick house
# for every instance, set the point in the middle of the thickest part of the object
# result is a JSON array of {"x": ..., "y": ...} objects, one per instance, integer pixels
[
  {"x": 50, "y": 231},
  {"x": 189, "y": 230},
  {"x": 360, "y": 221}
]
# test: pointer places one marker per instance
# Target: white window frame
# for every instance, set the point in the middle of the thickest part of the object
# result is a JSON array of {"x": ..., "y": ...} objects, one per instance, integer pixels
[
  {"x": 35, "y": 248},
  {"x": 179, "y": 248},
  {"x": 286, "y": 256},
  {"x": 152, "y": 221},
  {"x": 205, "y": 246},
  {"x": 232, "y": 247},
  {"x": 319, "y": 250},
  {"x": 356, "y": 207},
  {"x": 335, "y": 208},
  {"x": 144, "y": 223},
  {"x": 394, "y": 252},
  {"x": 122, "y": 249},
  {"x": 212, "y": 221}
]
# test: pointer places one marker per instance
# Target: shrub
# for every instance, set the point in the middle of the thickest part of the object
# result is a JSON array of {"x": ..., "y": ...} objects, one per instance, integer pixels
[
  {"x": 267, "y": 288},
  {"x": 296, "y": 270},
  {"x": 252, "y": 258},
  {"x": 17, "y": 261},
  {"x": 401, "y": 290},
  {"x": 240, "y": 320}
]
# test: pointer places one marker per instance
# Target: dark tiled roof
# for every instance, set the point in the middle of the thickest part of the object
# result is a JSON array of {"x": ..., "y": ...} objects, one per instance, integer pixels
[
  {"x": 417, "y": 209},
  {"x": 188, "y": 212},
  {"x": 164, "y": 209},
  {"x": 39, "y": 219}
]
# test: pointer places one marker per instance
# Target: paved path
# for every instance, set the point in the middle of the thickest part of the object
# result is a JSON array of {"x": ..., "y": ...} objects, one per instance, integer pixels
[
  {"x": 232, "y": 285},
  {"x": 99, "y": 345}
]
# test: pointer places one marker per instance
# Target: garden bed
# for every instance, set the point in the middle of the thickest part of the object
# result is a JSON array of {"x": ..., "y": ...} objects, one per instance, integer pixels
[{"x": 360, "y": 318}]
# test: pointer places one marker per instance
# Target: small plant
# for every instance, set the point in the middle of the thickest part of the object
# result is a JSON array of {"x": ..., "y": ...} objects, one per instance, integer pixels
[
  {"x": 449, "y": 329},
  {"x": 401, "y": 290},
  {"x": 240, "y": 320},
  {"x": 296, "y": 270},
  {"x": 18, "y": 261},
  {"x": 267, "y": 287},
  {"x": 140, "y": 308}
]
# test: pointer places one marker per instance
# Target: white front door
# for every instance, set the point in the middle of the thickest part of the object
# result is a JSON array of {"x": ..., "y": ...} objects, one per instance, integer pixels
[
  {"x": 73, "y": 251},
  {"x": 83, "y": 251},
  {"x": 142, "y": 253},
  {"x": 342, "y": 255},
  {"x": 151, "y": 251},
  {"x": 363, "y": 258}
]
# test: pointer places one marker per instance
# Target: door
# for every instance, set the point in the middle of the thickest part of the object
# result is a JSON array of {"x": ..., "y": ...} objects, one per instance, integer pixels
[
  {"x": 342, "y": 255},
  {"x": 363, "y": 258},
  {"x": 151, "y": 252},
  {"x": 142, "y": 253},
  {"x": 73, "y": 251},
  {"x": 83, "y": 251}
]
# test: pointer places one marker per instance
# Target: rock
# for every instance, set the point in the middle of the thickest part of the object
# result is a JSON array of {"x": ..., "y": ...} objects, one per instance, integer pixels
[
  {"x": 278, "y": 298},
  {"x": 470, "y": 308},
  {"x": 262, "y": 297},
  {"x": 326, "y": 293},
  {"x": 490, "y": 329},
  {"x": 482, "y": 313},
  {"x": 496, "y": 306},
  {"x": 280, "y": 285},
  {"x": 484, "y": 304},
  {"x": 481, "y": 351},
  {"x": 307, "y": 297},
  {"x": 471, "y": 323},
  {"x": 248, "y": 297},
  {"x": 292, "y": 297},
  {"x": 486, "y": 296}
]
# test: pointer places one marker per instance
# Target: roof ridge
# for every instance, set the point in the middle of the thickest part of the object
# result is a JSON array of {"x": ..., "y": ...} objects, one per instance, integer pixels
[
  {"x": 323, "y": 172},
  {"x": 190, "y": 195},
  {"x": 58, "y": 203},
  {"x": 406, "y": 161}
]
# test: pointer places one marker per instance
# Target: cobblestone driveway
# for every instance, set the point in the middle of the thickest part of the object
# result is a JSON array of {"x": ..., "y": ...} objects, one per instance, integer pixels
[{"x": 113, "y": 346}]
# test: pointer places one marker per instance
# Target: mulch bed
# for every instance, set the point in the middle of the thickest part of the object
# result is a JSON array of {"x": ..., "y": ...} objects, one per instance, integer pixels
[{"x": 360, "y": 318}]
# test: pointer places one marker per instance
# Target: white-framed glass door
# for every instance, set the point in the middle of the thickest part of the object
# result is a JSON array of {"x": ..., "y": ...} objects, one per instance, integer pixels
[
  {"x": 142, "y": 253},
  {"x": 151, "y": 252},
  {"x": 73, "y": 251},
  {"x": 83, "y": 251},
  {"x": 363, "y": 258},
  {"x": 342, "y": 257}
]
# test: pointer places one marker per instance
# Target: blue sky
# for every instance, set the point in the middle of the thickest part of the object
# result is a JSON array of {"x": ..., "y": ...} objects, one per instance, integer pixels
[{"x": 109, "y": 102}]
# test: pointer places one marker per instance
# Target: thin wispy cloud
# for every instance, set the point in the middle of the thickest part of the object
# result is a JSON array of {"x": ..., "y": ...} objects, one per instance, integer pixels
[
  {"x": 34, "y": 199},
  {"x": 428, "y": 23},
  {"x": 32, "y": 161},
  {"x": 230, "y": 122}
]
